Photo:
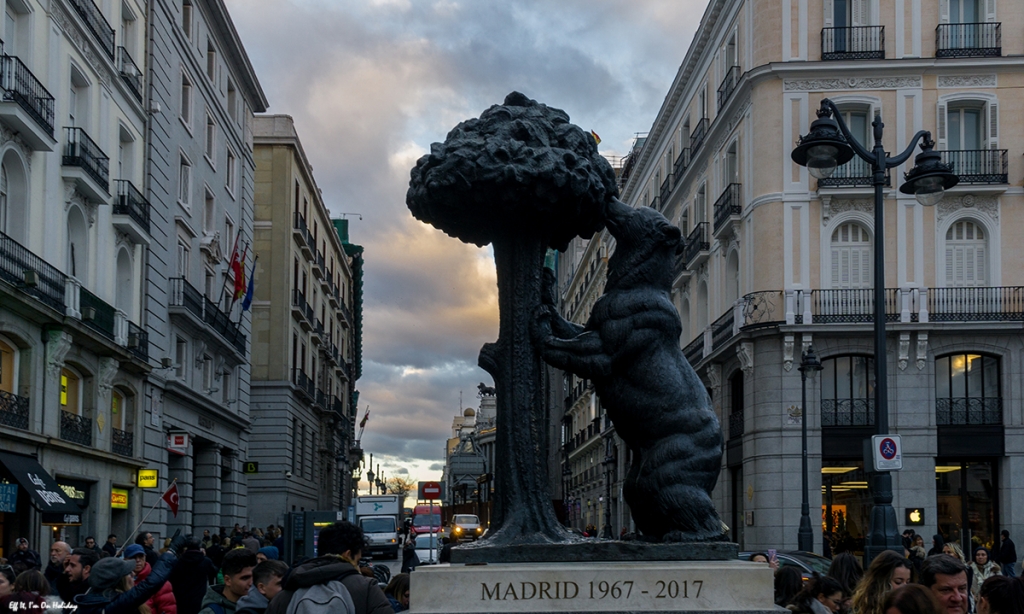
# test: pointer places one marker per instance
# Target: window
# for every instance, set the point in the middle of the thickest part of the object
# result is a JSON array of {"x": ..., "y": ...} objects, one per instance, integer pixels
[
  {"x": 700, "y": 205},
  {"x": 184, "y": 182},
  {"x": 117, "y": 409},
  {"x": 182, "y": 267},
  {"x": 232, "y": 101},
  {"x": 186, "y": 101},
  {"x": 850, "y": 13},
  {"x": 180, "y": 357},
  {"x": 731, "y": 170},
  {"x": 965, "y": 11},
  {"x": 229, "y": 232},
  {"x": 211, "y": 140},
  {"x": 78, "y": 98},
  {"x": 3, "y": 199},
  {"x": 231, "y": 171},
  {"x": 851, "y": 257},
  {"x": 8, "y": 361},
  {"x": 966, "y": 249},
  {"x": 207, "y": 374},
  {"x": 209, "y": 213},
  {"x": 78, "y": 244},
  {"x": 967, "y": 390},
  {"x": 227, "y": 378},
  {"x": 186, "y": 18},
  {"x": 70, "y": 391},
  {"x": 128, "y": 22},
  {"x": 848, "y": 391},
  {"x": 211, "y": 60},
  {"x": 210, "y": 285},
  {"x": 965, "y": 127}
]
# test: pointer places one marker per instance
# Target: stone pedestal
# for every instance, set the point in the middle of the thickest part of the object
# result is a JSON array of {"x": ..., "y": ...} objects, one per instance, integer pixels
[{"x": 628, "y": 586}]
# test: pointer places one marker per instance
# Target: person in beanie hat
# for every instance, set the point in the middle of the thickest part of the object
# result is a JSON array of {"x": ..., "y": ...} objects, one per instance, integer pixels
[
  {"x": 110, "y": 586},
  {"x": 24, "y": 558},
  {"x": 267, "y": 553}
]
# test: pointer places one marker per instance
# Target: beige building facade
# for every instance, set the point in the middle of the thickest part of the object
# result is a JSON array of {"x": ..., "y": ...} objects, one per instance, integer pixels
[
  {"x": 775, "y": 260},
  {"x": 305, "y": 345}
]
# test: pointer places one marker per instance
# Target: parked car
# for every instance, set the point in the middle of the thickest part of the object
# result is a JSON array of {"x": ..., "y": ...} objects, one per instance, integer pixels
[
  {"x": 428, "y": 548},
  {"x": 466, "y": 527},
  {"x": 807, "y": 563}
]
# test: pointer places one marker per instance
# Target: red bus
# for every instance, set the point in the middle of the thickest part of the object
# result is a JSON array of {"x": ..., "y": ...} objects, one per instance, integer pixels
[{"x": 426, "y": 519}]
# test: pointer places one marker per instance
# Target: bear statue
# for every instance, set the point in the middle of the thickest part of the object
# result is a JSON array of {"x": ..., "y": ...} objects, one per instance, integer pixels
[{"x": 630, "y": 350}]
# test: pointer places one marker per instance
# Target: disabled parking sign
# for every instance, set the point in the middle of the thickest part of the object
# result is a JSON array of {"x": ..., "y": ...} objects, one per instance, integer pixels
[{"x": 888, "y": 452}]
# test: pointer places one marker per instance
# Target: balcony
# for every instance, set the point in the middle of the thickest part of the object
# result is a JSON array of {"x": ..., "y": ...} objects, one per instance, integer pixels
[
  {"x": 728, "y": 208},
  {"x": 852, "y": 305},
  {"x": 666, "y": 190},
  {"x": 681, "y": 164},
  {"x": 321, "y": 400},
  {"x": 97, "y": 314},
  {"x": 972, "y": 411},
  {"x": 969, "y": 40},
  {"x": 86, "y": 164},
  {"x": 97, "y": 24},
  {"x": 138, "y": 342},
  {"x": 978, "y": 166},
  {"x": 346, "y": 315},
  {"x": 854, "y": 174},
  {"x": 736, "y": 424},
  {"x": 318, "y": 332},
  {"x": 320, "y": 267},
  {"x": 31, "y": 274},
  {"x": 304, "y": 384},
  {"x": 13, "y": 411},
  {"x": 338, "y": 408},
  {"x": 27, "y": 106},
  {"x": 123, "y": 442},
  {"x": 981, "y": 304},
  {"x": 856, "y": 43},
  {"x": 698, "y": 134},
  {"x": 847, "y": 412},
  {"x": 301, "y": 233},
  {"x": 302, "y": 311},
  {"x": 728, "y": 86},
  {"x": 344, "y": 369},
  {"x": 698, "y": 245},
  {"x": 130, "y": 72},
  {"x": 204, "y": 315},
  {"x": 131, "y": 212},
  {"x": 75, "y": 428}
]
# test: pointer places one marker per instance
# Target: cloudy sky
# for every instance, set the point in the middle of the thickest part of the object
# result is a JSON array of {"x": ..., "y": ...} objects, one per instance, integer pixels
[{"x": 371, "y": 84}]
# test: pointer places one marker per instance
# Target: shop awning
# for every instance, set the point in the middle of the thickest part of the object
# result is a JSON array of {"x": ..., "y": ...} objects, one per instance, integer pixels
[{"x": 42, "y": 489}]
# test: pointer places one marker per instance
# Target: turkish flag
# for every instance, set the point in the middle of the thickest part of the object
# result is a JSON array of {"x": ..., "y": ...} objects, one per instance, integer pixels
[{"x": 171, "y": 497}]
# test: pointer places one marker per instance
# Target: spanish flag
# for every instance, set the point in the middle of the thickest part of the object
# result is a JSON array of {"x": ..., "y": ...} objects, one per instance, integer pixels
[{"x": 597, "y": 139}]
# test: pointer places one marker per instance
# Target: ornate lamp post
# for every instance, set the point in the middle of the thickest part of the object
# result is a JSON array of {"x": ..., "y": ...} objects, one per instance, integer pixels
[
  {"x": 609, "y": 465},
  {"x": 805, "y": 539},
  {"x": 828, "y": 145},
  {"x": 369, "y": 479}
]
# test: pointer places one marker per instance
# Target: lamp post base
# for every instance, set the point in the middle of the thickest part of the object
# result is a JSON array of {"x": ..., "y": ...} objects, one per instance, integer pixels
[
  {"x": 804, "y": 537},
  {"x": 884, "y": 529}
]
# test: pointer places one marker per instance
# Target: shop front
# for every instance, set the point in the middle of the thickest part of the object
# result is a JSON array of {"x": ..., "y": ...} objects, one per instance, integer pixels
[{"x": 32, "y": 488}]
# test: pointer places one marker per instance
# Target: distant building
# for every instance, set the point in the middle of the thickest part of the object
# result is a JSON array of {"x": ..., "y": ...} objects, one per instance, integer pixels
[{"x": 306, "y": 346}]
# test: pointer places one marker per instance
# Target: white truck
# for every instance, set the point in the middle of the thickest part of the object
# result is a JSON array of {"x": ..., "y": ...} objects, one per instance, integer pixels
[{"x": 379, "y": 517}]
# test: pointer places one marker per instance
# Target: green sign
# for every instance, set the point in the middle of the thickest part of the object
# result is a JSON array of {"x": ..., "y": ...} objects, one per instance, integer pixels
[{"x": 251, "y": 467}]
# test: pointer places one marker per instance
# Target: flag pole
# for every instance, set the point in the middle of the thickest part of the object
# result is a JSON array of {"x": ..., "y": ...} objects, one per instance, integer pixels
[{"x": 146, "y": 517}]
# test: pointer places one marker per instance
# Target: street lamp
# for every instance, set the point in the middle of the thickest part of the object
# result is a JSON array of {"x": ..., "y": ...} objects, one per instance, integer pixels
[
  {"x": 369, "y": 479},
  {"x": 341, "y": 461},
  {"x": 805, "y": 539},
  {"x": 829, "y": 144},
  {"x": 609, "y": 464}
]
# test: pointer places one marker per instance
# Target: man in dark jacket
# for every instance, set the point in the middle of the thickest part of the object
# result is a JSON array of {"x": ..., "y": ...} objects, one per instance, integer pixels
[
  {"x": 111, "y": 546},
  {"x": 192, "y": 577},
  {"x": 340, "y": 547},
  {"x": 58, "y": 552},
  {"x": 106, "y": 573},
  {"x": 24, "y": 558},
  {"x": 75, "y": 580},
  {"x": 145, "y": 539},
  {"x": 1007, "y": 555},
  {"x": 237, "y": 568}
]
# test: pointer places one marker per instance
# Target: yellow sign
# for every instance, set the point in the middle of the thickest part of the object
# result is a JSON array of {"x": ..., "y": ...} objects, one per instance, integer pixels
[
  {"x": 118, "y": 498},
  {"x": 63, "y": 390},
  {"x": 148, "y": 478}
]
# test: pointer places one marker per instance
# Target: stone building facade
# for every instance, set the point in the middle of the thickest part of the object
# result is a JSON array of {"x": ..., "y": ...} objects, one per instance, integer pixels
[{"x": 775, "y": 260}]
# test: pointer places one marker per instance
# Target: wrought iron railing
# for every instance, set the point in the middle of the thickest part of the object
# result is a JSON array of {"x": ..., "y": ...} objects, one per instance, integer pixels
[
  {"x": 13, "y": 411},
  {"x": 97, "y": 314},
  {"x": 969, "y": 411},
  {"x": 83, "y": 152},
  {"x": 321, "y": 399},
  {"x": 978, "y": 165},
  {"x": 728, "y": 204},
  {"x": 130, "y": 72},
  {"x": 303, "y": 383},
  {"x": 847, "y": 412},
  {"x": 299, "y": 301},
  {"x": 853, "y": 43},
  {"x": 698, "y": 241},
  {"x": 21, "y": 86},
  {"x": 681, "y": 163},
  {"x": 976, "y": 304},
  {"x": 132, "y": 203},
  {"x": 97, "y": 24},
  {"x": 138, "y": 342},
  {"x": 320, "y": 262},
  {"x": 736, "y": 424},
  {"x": 853, "y": 174},
  {"x": 123, "y": 442},
  {"x": 75, "y": 428},
  {"x": 852, "y": 305},
  {"x": 698, "y": 134},
  {"x": 666, "y": 189},
  {"x": 722, "y": 329},
  {"x": 694, "y": 351},
  {"x": 183, "y": 294},
  {"x": 728, "y": 85},
  {"x": 764, "y": 308},
  {"x": 966, "y": 40},
  {"x": 31, "y": 274}
]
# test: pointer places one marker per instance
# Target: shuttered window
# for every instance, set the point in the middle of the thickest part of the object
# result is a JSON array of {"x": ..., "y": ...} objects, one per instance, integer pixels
[
  {"x": 851, "y": 257},
  {"x": 966, "y": 255}
]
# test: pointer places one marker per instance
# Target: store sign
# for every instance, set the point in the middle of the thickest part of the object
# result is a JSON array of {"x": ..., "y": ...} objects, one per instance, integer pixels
[
  {"x": 72, "y": 491},
  {"x": 56, "y": 518},
  {"x": 148, "y": 478},
  {"x": 251, "y": 467},
  {"x": 177, "y": 443},
  {"x": 914, "y": 516},
  {"x": 118, "y": 499},
  {"x": 8, "y": 498}
]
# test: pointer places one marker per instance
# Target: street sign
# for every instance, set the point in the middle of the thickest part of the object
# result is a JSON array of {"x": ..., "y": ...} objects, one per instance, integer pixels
[
  {"x": 251, "y": 467},
  {"x": 431, "y": 490},
  {"x": 888, "y": 452},
  {"x": 148, "y": 478}
]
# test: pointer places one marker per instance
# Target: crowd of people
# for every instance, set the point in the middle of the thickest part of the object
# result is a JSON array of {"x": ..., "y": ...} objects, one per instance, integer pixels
[
  {"x": 940, "y": 581},
  {"x": 237, "y": 572}
]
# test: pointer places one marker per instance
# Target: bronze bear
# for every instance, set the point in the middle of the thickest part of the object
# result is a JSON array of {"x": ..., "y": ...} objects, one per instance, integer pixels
[{"x": 630, "y": 349}]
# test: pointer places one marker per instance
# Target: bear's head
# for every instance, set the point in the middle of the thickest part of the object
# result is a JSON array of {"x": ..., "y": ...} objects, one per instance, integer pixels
[{"x": 646, "y": 245}]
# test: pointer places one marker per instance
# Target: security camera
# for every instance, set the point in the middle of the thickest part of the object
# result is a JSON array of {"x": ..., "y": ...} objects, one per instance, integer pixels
[{"x": 287, "y": 474}]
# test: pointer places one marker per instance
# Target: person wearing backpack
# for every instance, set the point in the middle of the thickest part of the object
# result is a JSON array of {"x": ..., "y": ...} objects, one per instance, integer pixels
[
  {"x": 237, "y": 569},
  {"x": 332, "y": 582}
]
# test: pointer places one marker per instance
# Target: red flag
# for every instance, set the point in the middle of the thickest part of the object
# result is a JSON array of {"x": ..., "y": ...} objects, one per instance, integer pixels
[
  {"x": 238, "y": 268},
  {"x": 362, "y": 423},
  {"x": 171, "y": 497}
]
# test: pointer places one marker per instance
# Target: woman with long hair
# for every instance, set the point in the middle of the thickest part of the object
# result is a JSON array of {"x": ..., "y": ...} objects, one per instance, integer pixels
[
  {"x": 847, "y": 570},
  {"x": 397, "y": 592},
  {"x": 911, "y": 599},
  {"x": 822, "y": 595},
  {"x": 887, "y": 572},
  {"x": 788, "y": 582},
  {"x": 1001, "y": 595}
]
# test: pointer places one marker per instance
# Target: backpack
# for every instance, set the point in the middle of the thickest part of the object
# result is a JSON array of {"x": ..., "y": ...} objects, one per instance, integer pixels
[{"x": 331, "y": 597}]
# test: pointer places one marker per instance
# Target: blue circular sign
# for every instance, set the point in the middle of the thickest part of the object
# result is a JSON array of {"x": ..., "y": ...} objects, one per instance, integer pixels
[{"x": 887, "y": 448}]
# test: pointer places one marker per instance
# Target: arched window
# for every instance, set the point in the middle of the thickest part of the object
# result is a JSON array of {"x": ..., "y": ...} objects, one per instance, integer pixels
[
  {"x": 13, "y": 197},
  {"x": 848, "y": 391},
  {"x": 78, "y": 245},
  {"x": 70, "y": 391},
  {"x": 702, "y": 308},
  {"x": 122, "y": 408},
  {"x": 3, "y": 198},
  {"x": 125, "y": 299},
  {"x": 851, "y": 257},
  {"x": 8, "y": 366},
  {"x": 967, "y": 390},
  {"x": 966, "y": 254},
  {"x": 732, "y": 278}
]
